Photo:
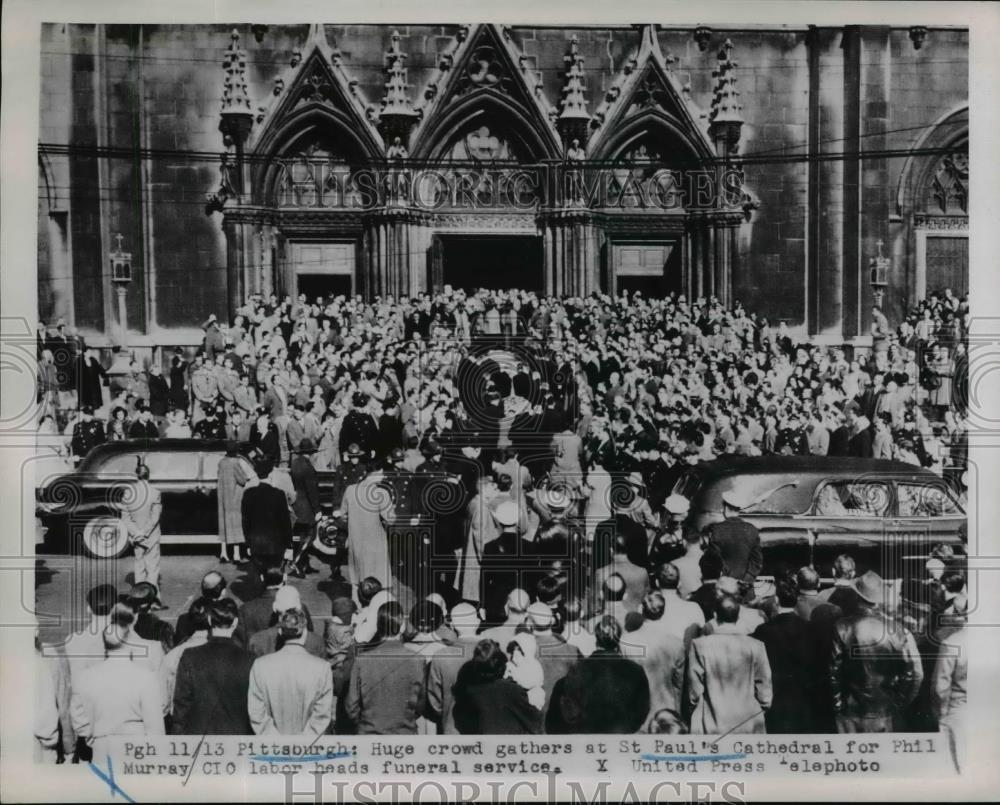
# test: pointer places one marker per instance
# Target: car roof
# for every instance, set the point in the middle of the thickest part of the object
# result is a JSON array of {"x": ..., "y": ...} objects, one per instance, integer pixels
[
  {"x": 806, "y": 465},
  {"x": 108, "y": 449}
]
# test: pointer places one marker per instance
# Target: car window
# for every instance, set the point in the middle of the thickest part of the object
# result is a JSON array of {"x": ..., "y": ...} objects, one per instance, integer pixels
[
  {"x": 173, "y": 466},
  {"x": 687, "y": 485},
  {"x": 780, "y": 496},
  {"x": 119, "y": 464},
  {"x": 925, "y": 500},
  {"x": 210, "y": 465},
  {"x": 853, "y": 499}
]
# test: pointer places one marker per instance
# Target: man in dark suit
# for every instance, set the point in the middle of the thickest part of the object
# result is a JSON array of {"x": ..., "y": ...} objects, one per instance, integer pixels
[
  {"x": 636, "y": 578},
  {"x": 797, "y": 671},
  {"x": 840, "y": 438},
  {"x": 213, "y": 587},
  {"x": 860, "y": 442},
  {"x": 807, "y": 580},
  {"x": 260, "y": 613},
  {"x": 142, "y": 598},
  {"x": 210, "y": 696},
  {"x": 267, "y": 524},
  {"x": 605, "y": 693},
  {"x": 268, "y": 640},
  {"x": 738, "y": 541},
  {"x": 620, "y": 526}
]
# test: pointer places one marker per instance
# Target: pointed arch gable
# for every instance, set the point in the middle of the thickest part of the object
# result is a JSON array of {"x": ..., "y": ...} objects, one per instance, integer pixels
[
  {"x": 487, "y": 108},
  {"x": 674, "y": 141},
  {"x": 647, "y": 96},
  {"x": 332, "y": 133},
  {"x": 486, "y": 76},
  {"x": 318, "y": 103}
]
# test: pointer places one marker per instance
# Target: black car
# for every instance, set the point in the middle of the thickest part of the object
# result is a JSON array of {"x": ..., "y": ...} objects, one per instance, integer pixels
[
  {"x": 809, "y": 509},
  {"x": 84, "y": 505}
]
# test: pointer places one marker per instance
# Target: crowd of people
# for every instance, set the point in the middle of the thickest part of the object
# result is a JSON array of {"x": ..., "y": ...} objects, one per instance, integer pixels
[
  {"x": 516, "y": 560},
  {"x": 634, "y": 376},
  {"x": 648, "y": 660}
]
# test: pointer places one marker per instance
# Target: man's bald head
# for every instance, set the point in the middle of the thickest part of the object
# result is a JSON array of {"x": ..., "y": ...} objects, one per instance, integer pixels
[
  {"x": 614, "y": 588},
  {"x": 517, "y": 602},
  {"x": 727, "y": 609},
  {"x": 807, "y": 578},
  {"x": 213, "y": 585}
]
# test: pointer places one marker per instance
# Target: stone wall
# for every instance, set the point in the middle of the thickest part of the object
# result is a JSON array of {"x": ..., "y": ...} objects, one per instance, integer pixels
[{"x": 112, "y": 93}]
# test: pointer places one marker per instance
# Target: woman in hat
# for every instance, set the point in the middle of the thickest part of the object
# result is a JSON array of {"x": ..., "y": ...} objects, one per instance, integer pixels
[
  {"x": 233, "y": 475},
  {"x": 306, "y": 507}
]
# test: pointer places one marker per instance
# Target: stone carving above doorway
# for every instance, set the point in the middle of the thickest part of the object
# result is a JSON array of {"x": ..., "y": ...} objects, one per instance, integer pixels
[
  {"x": 481, "y": 144},
  {"x": 948, "y": 192}
]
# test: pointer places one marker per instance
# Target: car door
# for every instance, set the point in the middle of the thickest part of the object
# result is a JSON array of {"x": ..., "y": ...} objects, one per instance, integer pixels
[
  {"x": 849, "y": 516},
  {"x": 175, "y": 474},
  {"x": 107, "y": 483},
  {"x": 927, "y": 514}
]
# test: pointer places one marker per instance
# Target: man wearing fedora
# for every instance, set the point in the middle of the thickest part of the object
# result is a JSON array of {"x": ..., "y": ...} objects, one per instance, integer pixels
[{"x": 875, "y": 669}]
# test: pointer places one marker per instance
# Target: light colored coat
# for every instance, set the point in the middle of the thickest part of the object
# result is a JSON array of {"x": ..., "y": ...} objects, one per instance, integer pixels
[
  {"x": 291, "y": 693},
  {"x": 116, "y": 697},
  {"x": 369, "y": 510},
  {"x": 566, "y": 468},
  {"x": 233, "y": 477},
  {"x": 729, "y": 683},
  {"x": 482, "y": 530},
  {"x": 663, "y": 659}
]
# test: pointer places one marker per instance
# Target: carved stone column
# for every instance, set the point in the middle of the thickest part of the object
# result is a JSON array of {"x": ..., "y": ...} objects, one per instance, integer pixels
[
  {"x": 395, "y": 249},
  {"x": 572, "y": 252},
  {"x": 249, "y": 266}
]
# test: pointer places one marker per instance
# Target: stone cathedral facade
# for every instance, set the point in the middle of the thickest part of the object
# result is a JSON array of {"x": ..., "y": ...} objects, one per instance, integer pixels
[{"x": 767, "y": 166}]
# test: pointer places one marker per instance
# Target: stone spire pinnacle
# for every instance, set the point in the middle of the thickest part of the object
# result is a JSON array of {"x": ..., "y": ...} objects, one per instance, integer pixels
[
  {"x": 235, "y": 98},
  {"x": 398, "y": 116},
  {"x": 396, "y": 100},
  {"x": 725, "y": 120},
  {"x": 574, "y": 102},
  {"x": 726, "y": 107},
  {"x": 573, "y": 115}
]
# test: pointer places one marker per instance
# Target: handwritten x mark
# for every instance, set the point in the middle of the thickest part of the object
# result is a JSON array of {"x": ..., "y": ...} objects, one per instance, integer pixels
[{"x": 109, "y": 778}]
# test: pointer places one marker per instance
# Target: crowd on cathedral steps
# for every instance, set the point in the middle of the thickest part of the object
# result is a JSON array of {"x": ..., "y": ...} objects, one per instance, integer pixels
[{"x": 519, "y": 425}]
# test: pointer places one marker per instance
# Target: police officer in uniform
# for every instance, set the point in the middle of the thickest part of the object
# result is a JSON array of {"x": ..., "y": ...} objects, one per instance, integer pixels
[
  {"x": 669, "y": 543},
  {"x": 408, "y": 551},
  {"x": 353, "y": 470},
  {"x": 433, "y": 458},
  {"x": 205, "y": 388},
  {"x": 359, "y": 426},
  {"x": 87, "y": 433},
  {"x": 212, "y": 426}
]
